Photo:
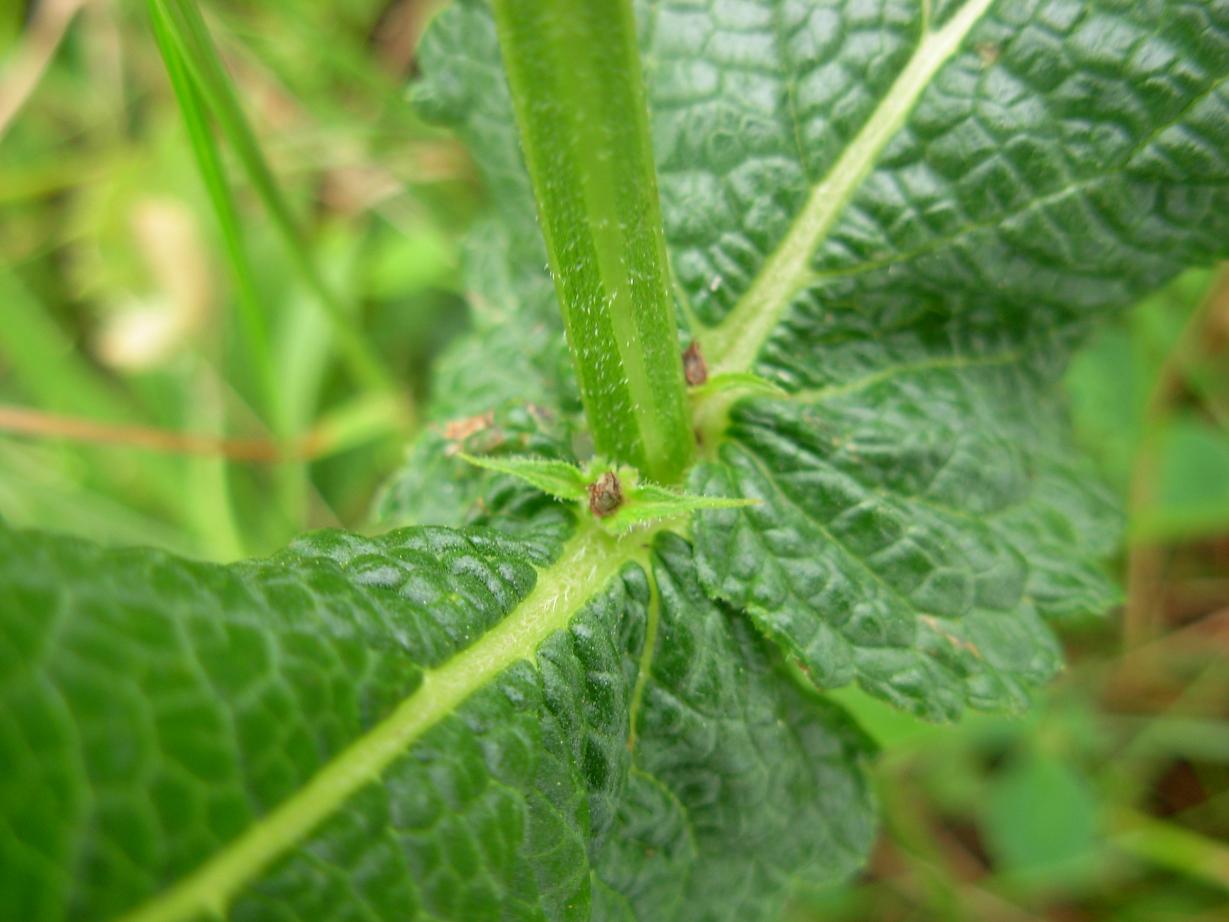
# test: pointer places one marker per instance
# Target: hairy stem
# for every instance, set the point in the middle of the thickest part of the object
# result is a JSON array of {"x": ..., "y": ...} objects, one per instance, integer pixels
[{"x": 574, "y": 70}]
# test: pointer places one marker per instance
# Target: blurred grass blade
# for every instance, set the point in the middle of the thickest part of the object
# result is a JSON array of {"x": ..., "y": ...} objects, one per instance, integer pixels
[
  {"x": 211, "y": 505},
  {"x": 36, "y": 487},
  {"x": 365, "y": 419},
  {"x": 40, "y": 358},
  {"x": 213, "y": 174},
  {"x": 186, "y": 31},
  {"x": 1174, "y": 847},
  {"x": 22, "y": 71}
]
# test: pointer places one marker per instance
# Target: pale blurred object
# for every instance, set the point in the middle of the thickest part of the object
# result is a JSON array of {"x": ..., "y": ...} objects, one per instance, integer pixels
[{"x": 152, "y": 329}]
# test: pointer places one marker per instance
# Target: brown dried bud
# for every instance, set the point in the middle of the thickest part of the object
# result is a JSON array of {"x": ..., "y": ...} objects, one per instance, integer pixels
[
  {"x": 694, "y": 368},
  {"x": 605, "y": 495}
]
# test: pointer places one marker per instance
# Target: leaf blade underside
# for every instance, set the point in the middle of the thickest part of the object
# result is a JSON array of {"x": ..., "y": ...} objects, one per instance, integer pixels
[
  {"x": 908, "y": 225},
  {"x": 303, "y": 758}
]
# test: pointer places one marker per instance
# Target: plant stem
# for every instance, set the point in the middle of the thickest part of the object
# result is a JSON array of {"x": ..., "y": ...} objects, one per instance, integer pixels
[{"x": 574, "y": 71}]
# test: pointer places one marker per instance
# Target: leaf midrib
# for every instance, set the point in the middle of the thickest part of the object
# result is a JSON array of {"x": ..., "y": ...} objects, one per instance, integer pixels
[
  {"x": 587, "y": 563},
  {"x": 734, "y": 344},
  {"x": 590, "y": 559}
]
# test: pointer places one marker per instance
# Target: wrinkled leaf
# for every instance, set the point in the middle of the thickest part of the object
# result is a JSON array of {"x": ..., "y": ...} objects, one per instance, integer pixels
[
  {"x": 904, "y": 214},
  {"x": 431, "y": 724},
  {"x": 907, "y": 224}
]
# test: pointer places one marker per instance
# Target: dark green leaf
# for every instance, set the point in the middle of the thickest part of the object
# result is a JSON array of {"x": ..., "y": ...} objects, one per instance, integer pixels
[
  {"x": 916, "y": 526},
  {"x": 904, "y": 222},
  {"x": 744, "y": 786},
  {"x": 417, "y": 726}
]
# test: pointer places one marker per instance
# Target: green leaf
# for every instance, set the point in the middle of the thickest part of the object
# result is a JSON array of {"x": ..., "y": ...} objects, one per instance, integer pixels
[
  {"x": 745, "y": 381},
  {"x": 648, "y": 502},
  {"x": 909, "y": 234},
  {"x": 761, "y": 776},
  {"x": 635, "y": 504},
  {"x": 1040, "y": 819},
  {"x": 555, "y": 478},
  {"x": 915, "y": 548},
  {"x": 506, "y": 387},
  {"x": 905, "y": 214},
  {"x": 432, "y": 724}
]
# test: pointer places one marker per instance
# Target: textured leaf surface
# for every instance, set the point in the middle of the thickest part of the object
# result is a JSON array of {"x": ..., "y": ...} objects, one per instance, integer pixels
[
  {"x": 905, "y": 214},
  {"x": 744, "y": 786},
  {"x": 1068, "y": 152},
  {"x": 411, "y": 727},
  {"x": 914, "y": 530},
  {"x": 154, "y": 710}
]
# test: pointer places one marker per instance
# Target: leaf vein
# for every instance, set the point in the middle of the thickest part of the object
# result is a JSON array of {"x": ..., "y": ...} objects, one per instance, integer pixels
[
  {"x": 588, "y": 561},
  {"x": 735, "y": 344}
]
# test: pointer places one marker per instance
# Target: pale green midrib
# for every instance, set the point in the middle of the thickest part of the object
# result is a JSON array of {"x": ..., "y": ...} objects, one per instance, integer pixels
[
  {"x": 587, "y": 563},
  {"x": 734, "y": 344}
]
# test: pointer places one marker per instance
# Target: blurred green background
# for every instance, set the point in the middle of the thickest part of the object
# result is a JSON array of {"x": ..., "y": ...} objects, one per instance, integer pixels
[{"x": 203, "y": 354}]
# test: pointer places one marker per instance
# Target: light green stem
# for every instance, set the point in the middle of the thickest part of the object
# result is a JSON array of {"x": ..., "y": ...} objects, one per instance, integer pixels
[{"x": 574, "y": 70}]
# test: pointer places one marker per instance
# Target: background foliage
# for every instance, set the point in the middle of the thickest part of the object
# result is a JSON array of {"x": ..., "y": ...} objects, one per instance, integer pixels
[{"x": 131, "y": 411}]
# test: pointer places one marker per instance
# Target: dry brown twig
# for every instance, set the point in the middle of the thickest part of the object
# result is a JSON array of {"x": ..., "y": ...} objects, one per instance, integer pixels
[
  {"x": 25, "y": 70},
  {"x": 25, "y": 421}
]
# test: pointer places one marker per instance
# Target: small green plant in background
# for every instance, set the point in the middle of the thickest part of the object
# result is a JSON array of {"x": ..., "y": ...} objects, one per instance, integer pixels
[{"x": 753, "y": 458}]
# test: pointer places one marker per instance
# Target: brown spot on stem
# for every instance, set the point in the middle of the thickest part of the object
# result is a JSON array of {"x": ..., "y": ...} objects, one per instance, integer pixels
[
  {"x": 605, "y": 495},
  {"x": 694, "y": 368}
]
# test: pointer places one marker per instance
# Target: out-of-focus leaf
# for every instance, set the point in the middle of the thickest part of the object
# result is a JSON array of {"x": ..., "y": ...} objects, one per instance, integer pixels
[{"x": 1040, "y": 818}]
